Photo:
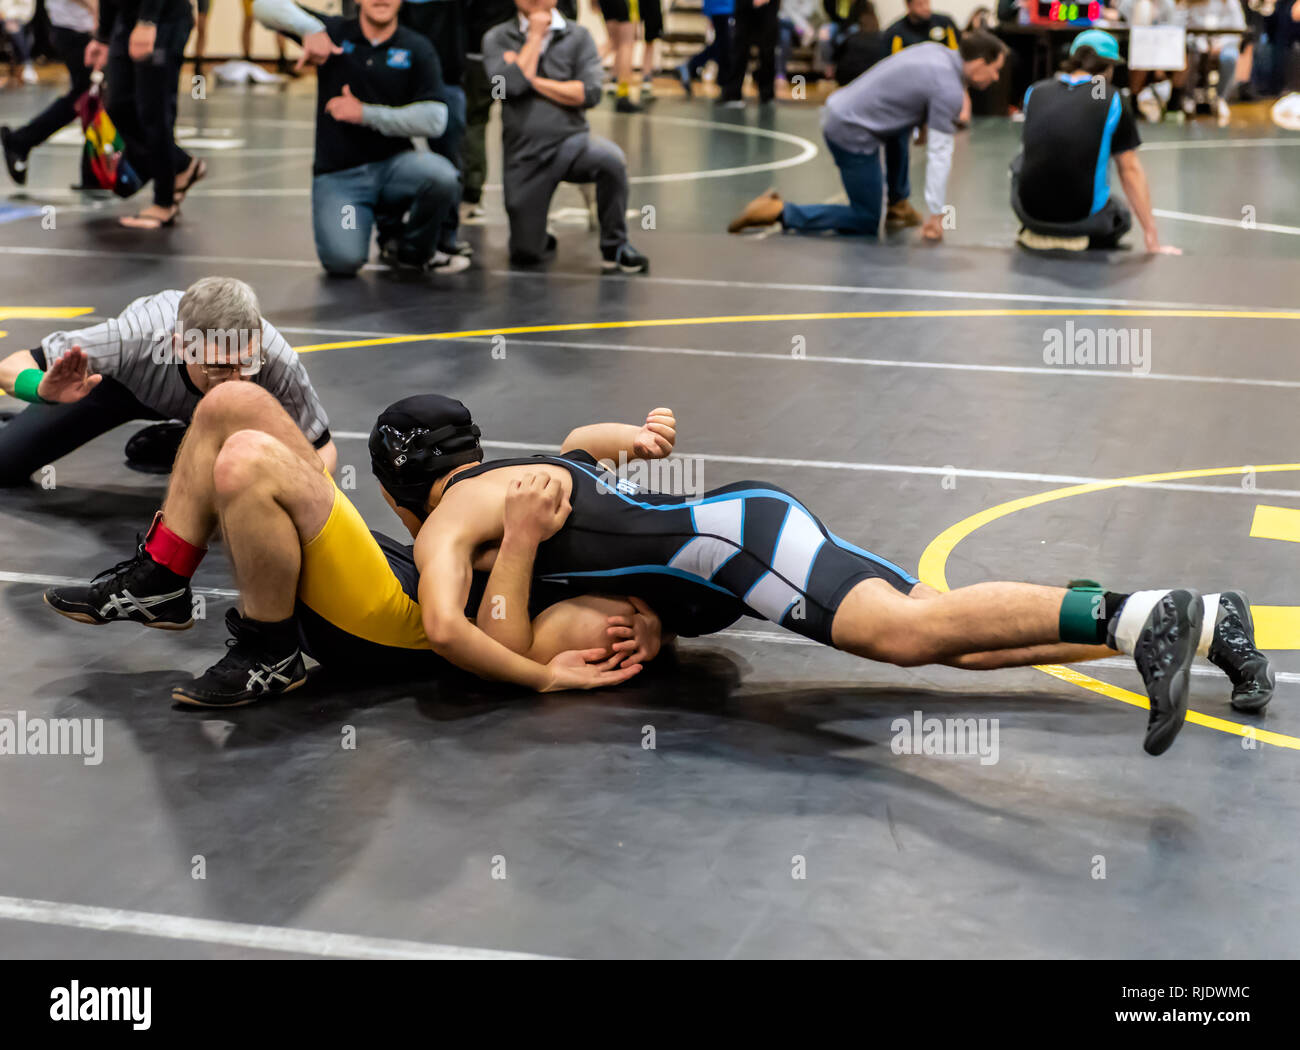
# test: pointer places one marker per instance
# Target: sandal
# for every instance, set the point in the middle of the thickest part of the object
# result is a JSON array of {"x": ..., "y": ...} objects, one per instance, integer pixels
[
  {"x": 199, "y": 169},
  {"x": 145, "y": 221}
]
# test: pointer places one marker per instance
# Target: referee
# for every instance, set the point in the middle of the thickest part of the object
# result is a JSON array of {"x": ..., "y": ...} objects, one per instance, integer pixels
[{"x": 154, "y": 361}]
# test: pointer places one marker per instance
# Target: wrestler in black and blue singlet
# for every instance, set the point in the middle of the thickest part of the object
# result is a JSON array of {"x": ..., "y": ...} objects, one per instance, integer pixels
[{"x": 748, "y": 548}]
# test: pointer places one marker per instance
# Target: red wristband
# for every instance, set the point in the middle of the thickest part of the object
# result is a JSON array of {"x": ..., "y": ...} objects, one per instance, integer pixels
[{"x": 170, "y": 550}]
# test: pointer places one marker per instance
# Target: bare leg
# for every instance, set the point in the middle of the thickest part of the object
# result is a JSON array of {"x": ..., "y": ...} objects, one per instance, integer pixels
[
  {"x": 1061, "y": 653},
  {"x": 270, "y": 502},
  {"x": 879, "y": 623},
  {"x": 191, "y": 505}
]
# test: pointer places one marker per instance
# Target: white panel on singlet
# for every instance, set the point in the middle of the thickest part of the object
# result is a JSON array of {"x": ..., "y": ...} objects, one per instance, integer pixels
[
  {"x": 797, "y": 546},
  {"x": 720, "y": 526},
  {"x": 771, "y": 596}
]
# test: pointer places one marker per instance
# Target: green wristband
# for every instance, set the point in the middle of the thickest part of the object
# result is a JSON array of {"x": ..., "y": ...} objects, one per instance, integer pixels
[{"x": 25, "y": 386}]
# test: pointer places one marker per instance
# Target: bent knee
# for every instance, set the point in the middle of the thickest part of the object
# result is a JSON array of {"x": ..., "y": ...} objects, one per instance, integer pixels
[
  {"x": 232, "y": 401},
  {"x": 244, "y": 460}
]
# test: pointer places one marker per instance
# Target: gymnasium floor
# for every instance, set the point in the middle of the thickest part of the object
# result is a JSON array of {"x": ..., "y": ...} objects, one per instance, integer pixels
[{"x": 900, "y": 389}]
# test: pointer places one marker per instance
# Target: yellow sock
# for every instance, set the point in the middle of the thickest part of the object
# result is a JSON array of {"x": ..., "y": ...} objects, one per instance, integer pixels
[{"x": 624, "y": 89}]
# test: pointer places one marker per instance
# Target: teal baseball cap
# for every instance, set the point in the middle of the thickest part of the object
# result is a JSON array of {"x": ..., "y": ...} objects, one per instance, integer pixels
[{"x": 1105, "y": 45}]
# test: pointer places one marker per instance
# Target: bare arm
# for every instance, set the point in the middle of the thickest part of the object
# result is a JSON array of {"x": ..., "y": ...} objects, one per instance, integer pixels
[
  {"x": 467, "y": 518},
  {"x": 1134, "y": 180},
  {"x": 625, "y": 441},
  {"x": 571, "y": 93},
  {"x": 12, "y": 365}
]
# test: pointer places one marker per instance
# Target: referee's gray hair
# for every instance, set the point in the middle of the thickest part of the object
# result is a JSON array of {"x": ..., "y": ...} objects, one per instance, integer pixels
[{"x": 219, "y": 304}]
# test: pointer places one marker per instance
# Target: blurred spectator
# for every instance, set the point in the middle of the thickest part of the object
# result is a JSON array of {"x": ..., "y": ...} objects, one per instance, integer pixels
[
  {"x": 718, "y": 50},
  {"x": 71, "y": 24},
  {"x": 1151, "y": 103},
  {"x": 651, "y": 15},
  {"x": 377, "y": 85},
  {"x": 1221, "y": 52},
  {"x": 16, "y": 16},
  {"x": 980, "y": 18},
  {"x": 141, "y": 44},
  {"x": 876, "y": 112},
  {"x": 480, "y": 16},
  {"x": 919, "y": 25},
  {"x": 1074, "y": 124},
  {"x": 796, "y": 26},
  {"x": 756, "y": 22},
  {"x": 442, "y": 23},
  {"x": 620, "y": 25},
  {"x": 551, "y": 72},
  {"x": 861, "y": 46}
]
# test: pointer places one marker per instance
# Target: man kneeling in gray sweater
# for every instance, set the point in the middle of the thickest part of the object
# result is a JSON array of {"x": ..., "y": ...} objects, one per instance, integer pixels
[{"x": 549, "y": 72}]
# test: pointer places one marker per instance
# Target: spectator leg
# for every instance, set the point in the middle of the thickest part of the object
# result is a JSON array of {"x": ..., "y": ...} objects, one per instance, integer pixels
[
  {"x": 71, "y": 46},
  {"x": 603, "y": 163},
  {"x": 478, "y": 108},
  {"x": 423, "y": 187},
  {"x": 769, "y": 32},
  {"x": 864, "y": 185},
  {"x": 733, "y": 88},
  {"x": 898, "y": 154},
  {"x": 528, "y": 193},
  {"x": 156, "y": 81},
  {"x": 343, "y": 216}
]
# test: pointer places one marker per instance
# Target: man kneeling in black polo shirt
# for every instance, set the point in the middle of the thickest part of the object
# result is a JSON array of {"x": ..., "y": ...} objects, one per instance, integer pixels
[
  {"x": 1074, "y": 124},
  {"x": 377, "y": 85}
]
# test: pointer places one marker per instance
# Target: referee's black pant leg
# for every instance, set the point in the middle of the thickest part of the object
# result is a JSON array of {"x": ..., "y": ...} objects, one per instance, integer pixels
[{"x": 40, "y": 434}]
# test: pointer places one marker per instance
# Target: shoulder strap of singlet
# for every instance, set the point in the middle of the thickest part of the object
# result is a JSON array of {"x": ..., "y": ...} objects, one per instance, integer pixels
[{"x": 577, "y": 456}]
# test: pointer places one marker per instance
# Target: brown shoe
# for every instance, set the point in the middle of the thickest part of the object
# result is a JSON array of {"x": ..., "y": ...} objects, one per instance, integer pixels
[
  {"x": 901, "y": 215},
  {"x": 761, "y": 211}
]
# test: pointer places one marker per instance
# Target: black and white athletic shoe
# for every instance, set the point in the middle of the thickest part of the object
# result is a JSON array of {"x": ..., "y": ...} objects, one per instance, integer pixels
[
  {"x": 138, "y": 589},
  {"x": 1164, "y": 652},
  {"x": 624, "y": 258},
  {"x": 153, "y": 449},
  {"x": 256, "y": 666},
  {"x": 1233, "y": 652}
]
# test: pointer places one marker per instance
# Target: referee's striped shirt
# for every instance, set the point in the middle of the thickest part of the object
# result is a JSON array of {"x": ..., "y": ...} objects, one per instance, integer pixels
[{"x": 134, "y": 349}]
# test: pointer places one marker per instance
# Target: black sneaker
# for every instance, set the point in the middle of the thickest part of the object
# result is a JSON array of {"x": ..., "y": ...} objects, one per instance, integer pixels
[
  {"x": 1164, "y": 653},
  {"x": 1233, "y": 652},
  {"x": 626, "y": 105},
  {"x": 15, "y": 159},
  {"x": 686, "y": 79},
  {"x": 153, "y": 449},
  {"x": 624, "y": 258},
  {"x": 138, "y": 589},
  {"x": 256, "y": 666},
  {"x": 455, "y": 247}
]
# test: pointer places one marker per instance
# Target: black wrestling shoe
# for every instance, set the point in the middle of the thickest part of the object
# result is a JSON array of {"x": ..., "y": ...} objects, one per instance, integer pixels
[
  {"x": 624, "y": 258},
  {"x": 138, "y": 589},
  {"x": 1164, "y": 653},
  {"x": 15, "y": 159},
  {"x": 256, "y": 666},
  {"x": 1233, "y": 652},
  {"x": 153, "y": 449}
]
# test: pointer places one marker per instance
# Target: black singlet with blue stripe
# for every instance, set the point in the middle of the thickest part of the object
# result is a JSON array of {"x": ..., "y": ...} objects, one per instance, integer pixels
[{"x": 701, "y": 563}]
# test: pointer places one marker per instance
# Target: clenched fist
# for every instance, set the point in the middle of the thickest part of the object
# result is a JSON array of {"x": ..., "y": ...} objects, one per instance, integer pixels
[{"x": 657, "y": 437}]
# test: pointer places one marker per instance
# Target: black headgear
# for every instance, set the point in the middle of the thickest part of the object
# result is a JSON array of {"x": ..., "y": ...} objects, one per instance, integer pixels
[{"x": 416, "y": 441}]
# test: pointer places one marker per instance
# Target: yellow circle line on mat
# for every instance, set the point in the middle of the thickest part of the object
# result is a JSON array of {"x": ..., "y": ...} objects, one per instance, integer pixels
[
  {"x": 934, "y": 561},
  {"x": 853, "y": 315}
]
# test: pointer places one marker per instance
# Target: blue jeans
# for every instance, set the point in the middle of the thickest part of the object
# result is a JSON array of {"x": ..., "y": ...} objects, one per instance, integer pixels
[
  {"x": 864, "y": 183},
  {"x": 449, "y": 146},
  {"x": 407, "y": 197}
]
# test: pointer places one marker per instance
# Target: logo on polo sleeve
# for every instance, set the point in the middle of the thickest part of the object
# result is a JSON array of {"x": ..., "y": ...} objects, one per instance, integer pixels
[{"x": 399, "y": 58}]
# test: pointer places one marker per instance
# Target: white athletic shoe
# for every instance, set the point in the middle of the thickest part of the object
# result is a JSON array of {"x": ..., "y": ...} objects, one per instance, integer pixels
[
  {"x": 1223, "y": 112},
  {"x": 444, "y": 263},
  {"x": 1149, "y": 106},
  {"x": 29, "y": 74},
  {"x": 473, "y": 214}
]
